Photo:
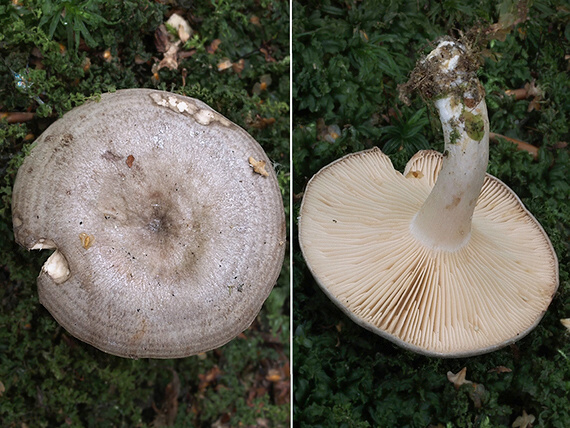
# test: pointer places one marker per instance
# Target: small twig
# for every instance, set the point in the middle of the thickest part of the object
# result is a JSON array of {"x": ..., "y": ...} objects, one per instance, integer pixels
[
  {"x": 530, "y": 90},
  {"x": 16, "y": 117},
  {"x": 519, "y": 94},
  {"x": 521, "y": 145}
]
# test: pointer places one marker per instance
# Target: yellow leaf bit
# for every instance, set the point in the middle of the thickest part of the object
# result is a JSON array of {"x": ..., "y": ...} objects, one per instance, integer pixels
[
  {"x": 86, "y": 240},
  {"x": 258, "y": 166}
]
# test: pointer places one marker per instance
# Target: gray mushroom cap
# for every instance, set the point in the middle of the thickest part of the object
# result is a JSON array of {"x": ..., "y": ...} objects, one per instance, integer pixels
[{"x": 167, "y": 239}]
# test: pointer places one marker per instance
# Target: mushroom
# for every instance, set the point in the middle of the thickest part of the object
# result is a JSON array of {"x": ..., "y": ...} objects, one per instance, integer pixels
[
  {"x": 166, "y": 242},
  {"x": 444, "y": 259}
]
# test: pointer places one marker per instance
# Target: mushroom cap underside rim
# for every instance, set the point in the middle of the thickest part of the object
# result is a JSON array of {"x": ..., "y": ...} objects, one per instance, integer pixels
[{"x": 309, "y": 238}]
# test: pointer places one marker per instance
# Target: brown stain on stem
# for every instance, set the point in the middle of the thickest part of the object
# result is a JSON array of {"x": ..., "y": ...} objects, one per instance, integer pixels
[{"x": 454, "y": 203}]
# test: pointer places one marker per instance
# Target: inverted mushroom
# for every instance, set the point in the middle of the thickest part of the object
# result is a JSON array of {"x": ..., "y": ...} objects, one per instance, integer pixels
[
  {"x": 444, "y": 259},
  {"x": 166, "y": 241}
]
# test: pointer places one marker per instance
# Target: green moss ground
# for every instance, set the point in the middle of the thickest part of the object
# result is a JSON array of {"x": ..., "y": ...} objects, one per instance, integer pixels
[
  {"x": 349, "y": 57},
  {"x": 48, "y": 378}
]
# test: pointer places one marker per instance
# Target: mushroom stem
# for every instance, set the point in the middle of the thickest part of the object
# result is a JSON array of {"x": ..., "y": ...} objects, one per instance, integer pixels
[{"x": 444, "y": 220}]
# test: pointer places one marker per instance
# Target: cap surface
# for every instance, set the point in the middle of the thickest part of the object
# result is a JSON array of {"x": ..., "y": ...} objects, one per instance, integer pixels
[
  {"x": 167, "y": 241},
  {"x": 354, "y": 231}
]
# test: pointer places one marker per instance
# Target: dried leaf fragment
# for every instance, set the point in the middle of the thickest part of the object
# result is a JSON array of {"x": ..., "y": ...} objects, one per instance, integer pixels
[
  {"x": 262, "y": 122},
  {"x": 86, "y": 64},
  {"x": 208, "y": 378},
  {"x": 170, "y": 59},
  {"x": 262, "y": 85},
  {"x": 477, "y": 394},
  {"x": 224, "y": 64},
  {"x": 183, "y": 34},
  {"x": 273, "y": 375},
  {"x": 238, "y": 67},
  {"x": 476, "y": 391},
  {"x": 258, "y": 166},
  {"x": 167, "y": 44},
  {"x": 161, "y": 39},
  {"x": 181, "y": 26},
  {"x": 213, "y": 47},
  {"x": 328, "y": 133},
  {"x": 266, "y": 53},
  {"x": 524, "y": 421},
  {"x": 458, "y": 378}
]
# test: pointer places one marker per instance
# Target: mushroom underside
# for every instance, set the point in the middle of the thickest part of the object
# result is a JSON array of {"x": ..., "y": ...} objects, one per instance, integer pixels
[{"x": 354, "y": 231}]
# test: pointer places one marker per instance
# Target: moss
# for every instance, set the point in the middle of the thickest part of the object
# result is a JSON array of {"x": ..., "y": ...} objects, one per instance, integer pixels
[
  {"x": 454, "y": 136},
  {"x": 474, "y": 125}
]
